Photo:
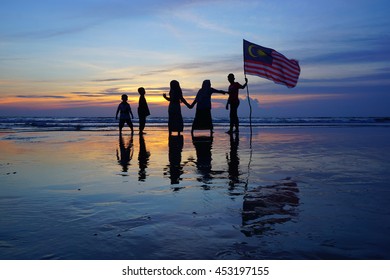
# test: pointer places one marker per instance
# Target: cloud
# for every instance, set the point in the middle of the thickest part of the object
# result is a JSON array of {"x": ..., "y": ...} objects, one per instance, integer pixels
[
  {"x": 106, "y": 92},
  {"x": 352, "y": 49},
  {"x": 379, "y": 76},
  {"x": 42, "y": 96},
  {"x": 157, "y": 88},
  {"x": 349, "y": 56},
  {"x": 156, "y": 72},
  {"x": 68, "y": 18},
  {"x": 206, "y": 24},
  {"x": 214, "y": 65},
  {"x": 80, "y": 92},
  {"x": 131, "y": 9},
  {"x": 86, "y": 94},
  {"x": 111, "y": 80},
  {"x": 59, "y": 29}
]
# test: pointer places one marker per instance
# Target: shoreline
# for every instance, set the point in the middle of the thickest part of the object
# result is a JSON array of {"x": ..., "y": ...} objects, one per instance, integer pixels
[{"x": 110, "y": 124}]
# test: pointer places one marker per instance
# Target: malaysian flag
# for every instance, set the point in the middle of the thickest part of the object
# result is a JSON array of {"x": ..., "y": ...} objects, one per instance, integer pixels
[{"x": 270, "y": 64}]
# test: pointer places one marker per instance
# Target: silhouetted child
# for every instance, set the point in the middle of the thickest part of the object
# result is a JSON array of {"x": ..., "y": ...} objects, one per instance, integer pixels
[
  {"x": 234, "y": 101},
  {"x": 125, "y": 114},
  {"x": 125, "y": 153},
  {"x": 143, "y": 110},
  {"x": 143, "y": 159}
]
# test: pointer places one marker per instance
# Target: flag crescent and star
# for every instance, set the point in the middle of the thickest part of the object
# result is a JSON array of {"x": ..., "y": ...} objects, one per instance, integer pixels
[
  {"x": 270, "y": 64},
  {"x": 257, "y": 51}
]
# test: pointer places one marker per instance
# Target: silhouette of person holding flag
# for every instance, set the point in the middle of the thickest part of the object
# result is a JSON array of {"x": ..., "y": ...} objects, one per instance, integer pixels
[{"x": 234, "y": 102}]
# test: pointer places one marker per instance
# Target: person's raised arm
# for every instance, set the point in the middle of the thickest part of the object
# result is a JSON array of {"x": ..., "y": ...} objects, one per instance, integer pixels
[
  {"x": 218, "y": 91},
  {"x": 166, "y": 97},
  {"x": 246, "y": 83}
]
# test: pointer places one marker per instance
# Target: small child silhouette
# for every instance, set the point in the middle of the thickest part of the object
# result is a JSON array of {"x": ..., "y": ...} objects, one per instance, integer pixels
[
  {"x": 143, "y": 110},
  {"x": 125, "y": 114}
]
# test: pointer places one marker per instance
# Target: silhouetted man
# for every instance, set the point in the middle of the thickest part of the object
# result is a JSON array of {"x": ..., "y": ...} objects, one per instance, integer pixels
[{"x": 234, "y": 101}]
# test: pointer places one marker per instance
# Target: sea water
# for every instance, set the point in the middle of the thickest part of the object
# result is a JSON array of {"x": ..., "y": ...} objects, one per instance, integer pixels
[{"x": 287, "y": 189}]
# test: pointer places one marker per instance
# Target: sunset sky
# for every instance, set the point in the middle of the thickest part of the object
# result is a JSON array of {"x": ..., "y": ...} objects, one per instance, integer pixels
[{"x": 76, "y": 57}]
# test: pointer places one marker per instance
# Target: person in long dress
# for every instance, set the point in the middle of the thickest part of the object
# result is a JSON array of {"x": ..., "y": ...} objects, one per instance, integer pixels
[
  {"x": 175, "y": 119},
  {"x": 203, "y": 119}
]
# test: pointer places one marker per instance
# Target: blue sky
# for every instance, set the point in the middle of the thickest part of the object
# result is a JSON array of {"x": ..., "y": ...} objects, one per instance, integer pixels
[{"x": 75, "y": 58}]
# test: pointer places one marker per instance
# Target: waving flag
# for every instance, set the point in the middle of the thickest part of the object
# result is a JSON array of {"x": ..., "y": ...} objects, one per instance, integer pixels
[{"x": 270, "y": 64}]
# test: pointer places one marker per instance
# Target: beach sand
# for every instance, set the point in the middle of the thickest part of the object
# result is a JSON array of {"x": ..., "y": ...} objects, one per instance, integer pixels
[{"x": 284, "y": 193}]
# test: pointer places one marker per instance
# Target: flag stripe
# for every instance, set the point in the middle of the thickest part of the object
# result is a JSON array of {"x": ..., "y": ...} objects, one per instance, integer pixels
[
  {"x": 276, "y": 78},
  {"x": 271, "y": 73},
  {"x": 281, "y": 65},
  {"x": 290, "y": 62},
  {"x": 280, "y": 69},
  {"x": 259, "y": 69},
  {"x": 275, "y": 70}
]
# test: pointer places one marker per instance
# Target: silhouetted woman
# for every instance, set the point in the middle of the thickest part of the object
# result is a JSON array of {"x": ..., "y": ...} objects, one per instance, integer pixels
[
  {"x": 175, "y": 119},
  {"x": 203, "y": 119},
  {"x": 175, "y": 145},
  {"x": 203, "y": 146}
]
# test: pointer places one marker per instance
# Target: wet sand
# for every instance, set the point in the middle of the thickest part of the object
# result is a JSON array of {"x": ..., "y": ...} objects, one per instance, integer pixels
[{"x": 289, "y": 193}]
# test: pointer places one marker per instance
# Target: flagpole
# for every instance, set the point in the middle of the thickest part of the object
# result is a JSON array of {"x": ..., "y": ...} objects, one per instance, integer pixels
[
  {"x": 247, "y": 94},
  {"x": 250, "y": 105},
  {"x": 250, "y": 123},
  {"x": 250, "y": 138}
]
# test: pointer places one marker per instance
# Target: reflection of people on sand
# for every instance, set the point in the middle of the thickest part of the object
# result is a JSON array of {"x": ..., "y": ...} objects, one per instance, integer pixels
[
  {"x": 143, "y": 159},
  {"x": 234, "y": 101},
  {"x": 203, "y": 119},
  {"x": 203, "y": 146},
  {"x": 125, "y": 114},
  {"x": 125, "y": 153},
  {"x": 143, "y": 109},
  {"x": 175, "y": 119},
  {"x": 233, "y": 161},
  {"x": 269, "y": 205},
  {"x": 175, "y": 144}
]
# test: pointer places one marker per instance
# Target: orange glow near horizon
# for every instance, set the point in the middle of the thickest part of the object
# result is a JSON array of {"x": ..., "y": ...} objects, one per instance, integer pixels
[
  {"x": 155, "y": 99},
  {"x": 63, "y": 101},
  {"x": 49, "y": 95}
]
